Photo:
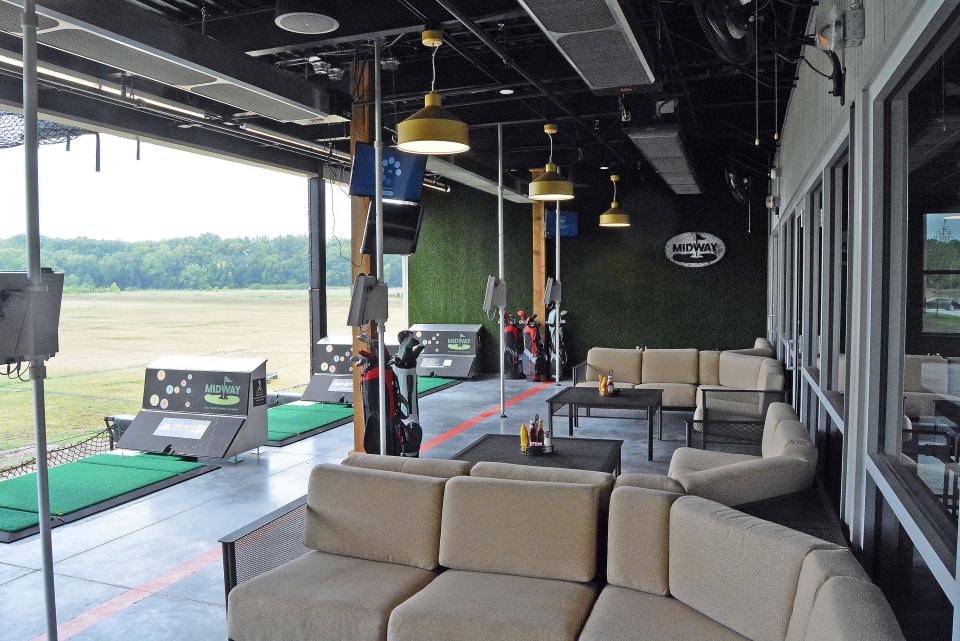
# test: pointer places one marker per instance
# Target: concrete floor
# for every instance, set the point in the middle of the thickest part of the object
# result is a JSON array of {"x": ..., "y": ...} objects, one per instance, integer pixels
[{"x": 149, "y": 569}]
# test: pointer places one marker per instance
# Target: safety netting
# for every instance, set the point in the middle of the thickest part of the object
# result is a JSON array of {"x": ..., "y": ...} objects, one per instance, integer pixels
[
  {"x": 60, "y": 453},
  {"x": 48, "y": 133}
]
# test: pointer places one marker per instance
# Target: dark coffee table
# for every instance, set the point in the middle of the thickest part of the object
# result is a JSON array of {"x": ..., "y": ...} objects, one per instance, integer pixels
[
  {"x": 649, "y": 400},
  {"x": 595, "y": 454}
]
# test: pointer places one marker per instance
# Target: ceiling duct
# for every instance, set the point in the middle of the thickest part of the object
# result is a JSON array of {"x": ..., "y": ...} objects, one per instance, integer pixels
[
  {"x": 663, "y": 149},
  {"x": 597, "y": 39},
  {"x": 114, "y": 33}
]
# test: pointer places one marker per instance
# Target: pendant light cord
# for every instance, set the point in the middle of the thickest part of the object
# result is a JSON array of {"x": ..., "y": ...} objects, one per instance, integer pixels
[
  {"x": 550, "y": 160},
  {"x": 756, "y": 71},
  {"x": 614, "y": 190},
  {"x": 433, "y": 65}
]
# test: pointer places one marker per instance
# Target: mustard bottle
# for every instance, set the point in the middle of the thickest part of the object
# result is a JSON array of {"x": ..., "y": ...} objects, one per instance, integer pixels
[{"x": 524, "y": 437}]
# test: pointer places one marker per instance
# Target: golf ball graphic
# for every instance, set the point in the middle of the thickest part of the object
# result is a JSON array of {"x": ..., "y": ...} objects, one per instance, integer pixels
[{"x": 154, "y": 400}]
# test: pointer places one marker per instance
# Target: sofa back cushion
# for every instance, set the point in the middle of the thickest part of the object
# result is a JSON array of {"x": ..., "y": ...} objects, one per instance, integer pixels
[
  {"x": 770, "y": 375},
  {"x": 818, "y": 567},
  {"x": 671, "y": 366},
  {"x": 923, "y": 373},
  {"x": 709, "y": 367},
  {"x": 375, "y": 515},
  {"x": 440, "y": 468},
  {"x": 739, "y": 371},
  {"x": 851, "y": 609},
  {"x": 625, "y": 363},
  {"x": 638, "y": 539},
  {"x": 523, "y": 528},
  {"x": 787, "y": 433},
  {"x": 776, "y": 413},
  {"x": 601, "y": 480},
  {"x": 736, "y": 569}
]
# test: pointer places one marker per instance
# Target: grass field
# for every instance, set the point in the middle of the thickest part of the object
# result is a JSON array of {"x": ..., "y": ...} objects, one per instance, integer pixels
[{"x": 107, "y": 339}]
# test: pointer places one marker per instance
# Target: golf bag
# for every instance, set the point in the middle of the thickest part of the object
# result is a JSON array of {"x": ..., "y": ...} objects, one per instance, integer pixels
[
  {"x": 404, "y": 368},
  {"x": 512, "y": 348},
  {"x": 535, "y": 365},
  {"x": 555, "y": 342},
  {"x": 370, "y": 394}
]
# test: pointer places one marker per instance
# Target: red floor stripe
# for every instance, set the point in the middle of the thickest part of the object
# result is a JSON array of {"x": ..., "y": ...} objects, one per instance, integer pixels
[
  {"x": 466, "y": 425},
  {"x": 85, "y": 620}
]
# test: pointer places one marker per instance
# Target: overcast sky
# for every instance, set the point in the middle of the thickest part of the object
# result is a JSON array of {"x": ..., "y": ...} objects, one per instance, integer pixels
[{"x": 169, "y": 193}]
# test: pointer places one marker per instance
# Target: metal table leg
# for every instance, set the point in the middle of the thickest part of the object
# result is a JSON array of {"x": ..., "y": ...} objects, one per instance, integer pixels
[
  {"x": 649, "y": 433},
  {"x": 570, "y": 410},
  {"x": 550, "y": 410}
]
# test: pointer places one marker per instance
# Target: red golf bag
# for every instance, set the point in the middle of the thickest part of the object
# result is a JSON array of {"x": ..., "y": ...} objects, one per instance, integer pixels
[
  {"x": 512, "y": 348},
  {"x": 535, "y": 364},
  {"x": 369, "y": 389}
]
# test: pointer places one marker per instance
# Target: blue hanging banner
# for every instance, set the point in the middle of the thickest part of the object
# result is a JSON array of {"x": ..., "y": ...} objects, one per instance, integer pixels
[{"x": 568, "y": 223}]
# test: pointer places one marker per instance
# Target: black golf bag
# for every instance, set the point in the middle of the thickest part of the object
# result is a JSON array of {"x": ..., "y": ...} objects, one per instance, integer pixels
[
  {"x": 535, "y": 364},
  {"x": 512, "y": 348},
  {"x": 555, "y": 342},
  {"x": 404, "y": 368}
]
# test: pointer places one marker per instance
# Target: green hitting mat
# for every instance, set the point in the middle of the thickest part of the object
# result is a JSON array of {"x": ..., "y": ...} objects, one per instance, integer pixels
[
  {"x": 87, "y": 486},
  {"x": 296, "y": 421}
]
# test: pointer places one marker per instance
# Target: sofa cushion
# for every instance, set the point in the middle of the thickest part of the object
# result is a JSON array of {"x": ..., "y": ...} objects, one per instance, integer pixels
[
  {"x": 601, "y": 480},
  {"x": 709, "y": 369},
  {"x": 770, "y": 375},
  {"x": 925, "y": 373},
  {"x": 649, "y": 481},
  {"x": 750, "y": 481},
  {"x": 375, "y": 515},
  {"x": 515, "y": 527},
  {"x": 638, "y": 539},
  {"x": 674, "y": 394},
  {"x": 628, "y": 615},
  {"x": 440, "y": 468},
  {"x": 719, "y": 403},
  {"x": 739, "y": 371},
  {"x": 475, "y": 606},
  {"x": 776, "y": 413},
  {"x": 850, "y": 609},
  {"x": 819, "y": 566},
  {"x": 689, "y": 459},
  {"x": 736, "y": 569},
  {"x": 321, "y": 597},
  {"x": 671, "y": 366},
  {"x": 625, "y": 363}
]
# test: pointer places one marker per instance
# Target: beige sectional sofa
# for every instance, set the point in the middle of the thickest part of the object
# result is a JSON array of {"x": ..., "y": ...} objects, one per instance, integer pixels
[
  {"x": 787, "y": 465},
  {"x": 683, "y": 373},
  {"x": 510, "y": 552}
]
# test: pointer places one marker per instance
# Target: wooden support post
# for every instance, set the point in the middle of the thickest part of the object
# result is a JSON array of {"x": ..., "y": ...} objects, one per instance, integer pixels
[
  {"x": 361, "y": 130},
  {"x": 539, "y": 252}
]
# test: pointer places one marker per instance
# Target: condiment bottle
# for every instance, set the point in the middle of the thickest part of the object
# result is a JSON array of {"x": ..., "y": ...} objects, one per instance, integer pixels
[{"x": 524, "y": 438}]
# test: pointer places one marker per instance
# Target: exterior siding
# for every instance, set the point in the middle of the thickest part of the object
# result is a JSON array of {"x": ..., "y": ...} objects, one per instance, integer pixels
[{"x": 813, "y": 114}]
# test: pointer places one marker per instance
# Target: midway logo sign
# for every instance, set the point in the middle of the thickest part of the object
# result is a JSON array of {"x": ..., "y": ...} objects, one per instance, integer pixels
[{"x": 695, "y": 249}]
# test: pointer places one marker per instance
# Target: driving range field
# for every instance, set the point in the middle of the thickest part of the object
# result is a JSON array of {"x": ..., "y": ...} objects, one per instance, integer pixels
[{"x": 107, "y": 339}]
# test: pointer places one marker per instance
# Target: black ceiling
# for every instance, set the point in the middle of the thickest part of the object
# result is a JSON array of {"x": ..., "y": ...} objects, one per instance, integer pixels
[{"x": 716, "y": 101}]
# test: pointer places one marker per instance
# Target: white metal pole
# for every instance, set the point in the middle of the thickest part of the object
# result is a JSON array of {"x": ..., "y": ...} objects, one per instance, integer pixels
[
  {"x": 381, "y": 324},
  {"x": 500, "y": 261},
  {"x": 38, "y": 370},
  {"x": 556, "y": 310}
]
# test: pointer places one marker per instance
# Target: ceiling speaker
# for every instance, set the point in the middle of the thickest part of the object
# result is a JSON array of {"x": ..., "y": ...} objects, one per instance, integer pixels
[{"x": 304, "y": 16}]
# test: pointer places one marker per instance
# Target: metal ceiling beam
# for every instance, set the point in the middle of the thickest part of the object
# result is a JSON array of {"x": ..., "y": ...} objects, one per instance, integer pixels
[
  {"x": 481, "y": 35},
  {"x": 257, "y": 35}
]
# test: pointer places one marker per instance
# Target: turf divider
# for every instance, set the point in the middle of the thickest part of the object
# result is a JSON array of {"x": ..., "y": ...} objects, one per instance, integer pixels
[{"x": 88, "y": 486}]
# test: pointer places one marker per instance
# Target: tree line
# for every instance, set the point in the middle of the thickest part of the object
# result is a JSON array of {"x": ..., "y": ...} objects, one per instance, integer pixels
[{"x": 197, "y": 262}]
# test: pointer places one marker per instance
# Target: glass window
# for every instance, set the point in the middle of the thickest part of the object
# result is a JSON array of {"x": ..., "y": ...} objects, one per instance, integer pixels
[{"x": 924, "y": 443}]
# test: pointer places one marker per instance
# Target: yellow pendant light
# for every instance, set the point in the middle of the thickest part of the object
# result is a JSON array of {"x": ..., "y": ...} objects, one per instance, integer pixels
[
  {"x": 433, "y": 130},
  {"x": 550, "y": 185},
  {"x": 613, "y": 217}
]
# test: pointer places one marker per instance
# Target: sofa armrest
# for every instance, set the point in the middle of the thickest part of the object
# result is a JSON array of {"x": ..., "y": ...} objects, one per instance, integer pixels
[
  {"x": 264, "y": 544},
  {"x": 579, "y": 373},
  {"x": 750, "y": 481}
]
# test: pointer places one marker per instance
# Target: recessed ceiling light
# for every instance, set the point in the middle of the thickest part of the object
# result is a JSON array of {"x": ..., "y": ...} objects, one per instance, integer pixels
[
  {"x": 604, "y": 167},
  {"x": 506, "y": 91}
]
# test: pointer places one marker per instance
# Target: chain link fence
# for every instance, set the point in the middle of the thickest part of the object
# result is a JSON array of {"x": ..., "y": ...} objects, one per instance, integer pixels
[{"x": 50, "y": 133}]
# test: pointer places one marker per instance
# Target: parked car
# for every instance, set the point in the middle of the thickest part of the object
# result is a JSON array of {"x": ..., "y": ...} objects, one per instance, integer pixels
[{"x": 947, "y": 304}]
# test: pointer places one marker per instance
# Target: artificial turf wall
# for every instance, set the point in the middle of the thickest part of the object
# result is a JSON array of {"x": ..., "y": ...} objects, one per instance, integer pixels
[
  {"x": 456, "y": 252},
  {"x": 619, "y": 287}
]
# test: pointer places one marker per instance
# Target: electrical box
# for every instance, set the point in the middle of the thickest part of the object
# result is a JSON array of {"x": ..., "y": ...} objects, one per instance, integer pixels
[
  {"x": 29, "y": 318},
  {"x": 839, "y": 24},
  {"x": 495, "y": 295},
  {"x": 368, "y": 301}
]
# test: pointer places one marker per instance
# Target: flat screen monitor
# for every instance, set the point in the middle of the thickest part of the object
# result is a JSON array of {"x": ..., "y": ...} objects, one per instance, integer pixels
[
  {"x": 401, "y": 229},
  {"x": 568, "y": 223},
  {"x": 402, "y": 174}
]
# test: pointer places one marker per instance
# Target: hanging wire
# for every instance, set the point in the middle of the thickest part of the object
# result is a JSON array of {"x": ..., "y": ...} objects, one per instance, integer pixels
[
  {"x": 550, "y": 136},
  {"x": 614, "y": 190},
  {"x": 203, "y": 18},
  {"x": 433, "y": 65},
  {"x": 943, "y": 91},
  {"x": 776, "y": 89}
]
